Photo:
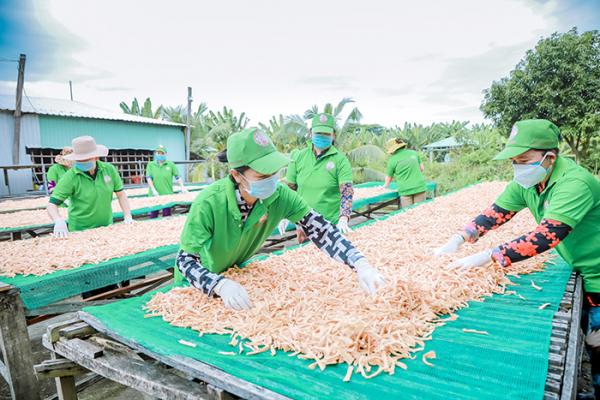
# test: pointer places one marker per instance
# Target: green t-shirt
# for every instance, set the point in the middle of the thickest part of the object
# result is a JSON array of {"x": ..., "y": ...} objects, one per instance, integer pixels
[
  {"x": 319, "y": 180},
  {"x": 56, "y": 172},
  {"x": 572, "y": 197},
  {"x": 162, "y": 176},
  {"x": 89, "y": 199},
  {"x": 406, "y": 165},
  {"x": 214, "y": 227}
]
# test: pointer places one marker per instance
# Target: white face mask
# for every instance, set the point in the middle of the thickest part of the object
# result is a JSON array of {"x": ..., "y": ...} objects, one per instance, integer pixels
[{"x": 528, "y": 175}]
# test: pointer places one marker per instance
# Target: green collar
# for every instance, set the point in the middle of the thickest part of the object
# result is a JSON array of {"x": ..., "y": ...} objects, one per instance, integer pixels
[
  {"x": 560, "y": 167},
  {"x": 100, "y": 166},
  {"x": 160, "y": 166},
  {"x": 331, "y": 151}
]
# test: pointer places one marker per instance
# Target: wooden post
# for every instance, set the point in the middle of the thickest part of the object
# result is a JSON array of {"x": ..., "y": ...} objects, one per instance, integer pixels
[
  {"x": 188, "y": 134},
  {"x": 17, "y": 368},
  {"x": 17, "y": 135}
]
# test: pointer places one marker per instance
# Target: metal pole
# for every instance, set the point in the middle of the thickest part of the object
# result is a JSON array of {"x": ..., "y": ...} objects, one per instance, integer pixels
[
  {"x": 71, "y": 89},
  {"x": 188, "y": 134},
  {"x": 141, "y": 174},
  {"x": 17, "y": 134}
]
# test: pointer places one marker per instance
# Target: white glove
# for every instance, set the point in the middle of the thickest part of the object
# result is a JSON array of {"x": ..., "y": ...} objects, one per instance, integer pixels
[
  {"x": 184, "y": 190},
  {"x": 283, "y": 226},
  {"x": 453, "y": 244},
  {"x": 475, "y": 260},
  {"x": 66, "y": 202},
  {"x": 60, "y": 229},
  {"x": 128, "y": 220},
  {"x": 343, "y": 226},
  {"x": 155, "y": 192},
  {"x": 234, "y": 295},
  {"x": 368, "y": 276}
]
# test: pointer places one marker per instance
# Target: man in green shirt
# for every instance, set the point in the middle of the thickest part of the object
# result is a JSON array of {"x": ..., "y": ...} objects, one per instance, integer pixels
[
  {"x": 563, "y": 197},
  {"x": 61, "y": 167},
  {"x": 90, "y": 186},
  {"x": 160, "y": 174},
  {"x": 230, "y": 220},
  {"x": 408, "y": 168},
  {"x": 322, "y": 176}
]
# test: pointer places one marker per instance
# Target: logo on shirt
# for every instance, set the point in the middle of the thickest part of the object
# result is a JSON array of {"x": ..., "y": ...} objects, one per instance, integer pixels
[
  {"x": 330, "y": 165},
  {"x": 106, "y": 178},
  {"x": 514, "y": 131},
  {"x": 263, "y": 218},
  {"x": 261, "y": 139},
  {"x": 168, "y": 169},
  {"x": 546, "y": 204}
]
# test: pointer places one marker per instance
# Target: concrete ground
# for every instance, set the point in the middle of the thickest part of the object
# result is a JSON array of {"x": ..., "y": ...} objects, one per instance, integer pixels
[{"x": 104, "y": 389}]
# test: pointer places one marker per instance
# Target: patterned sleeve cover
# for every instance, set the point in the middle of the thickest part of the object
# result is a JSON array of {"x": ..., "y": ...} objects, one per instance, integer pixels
[
  {"x": 346, "y": 193},
  {"x": 546, "y": 236},
  {"x": 329, "y": 239}
]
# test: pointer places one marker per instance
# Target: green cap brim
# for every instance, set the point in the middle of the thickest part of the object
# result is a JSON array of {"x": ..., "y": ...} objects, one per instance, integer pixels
[
  {"x": 511, "y": 152},
  {"x": 322, "y": 129},
  {"x": 270, "y": 163}
]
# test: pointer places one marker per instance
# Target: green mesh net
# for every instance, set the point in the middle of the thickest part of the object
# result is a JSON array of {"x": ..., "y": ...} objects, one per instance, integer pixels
[
  {"x": 40, "y": 291},
  {"x": 509, "y": 363}
]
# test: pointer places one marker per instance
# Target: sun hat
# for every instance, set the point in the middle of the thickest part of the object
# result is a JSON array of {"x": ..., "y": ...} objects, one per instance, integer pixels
[
  {"x": 60, "y": 159},
  {"x": 85, "y": 147}
]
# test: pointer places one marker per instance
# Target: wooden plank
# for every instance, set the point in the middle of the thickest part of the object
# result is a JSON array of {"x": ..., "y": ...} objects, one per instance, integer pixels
[
  {"x": 77, "y": 330},
  {"x": 574, "y": 346},
  {"x": 53, "y": 329},
  {"x": 137, "y": 374},
  {"x": 86, "y": 348},
  {"x": 201, "y": 370},
  {"x": 58, "y": 368},
  {"x": 16, "y": 348},
  {"x": 4, "y": 287},
  {"x": 63, "y": 308},
  {"x": 66, "y": 388},
  {"x": 127, "y": 288}
]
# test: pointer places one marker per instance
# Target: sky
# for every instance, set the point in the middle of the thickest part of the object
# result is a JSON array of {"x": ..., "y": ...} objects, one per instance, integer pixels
[{"x": 400, "y": 60}]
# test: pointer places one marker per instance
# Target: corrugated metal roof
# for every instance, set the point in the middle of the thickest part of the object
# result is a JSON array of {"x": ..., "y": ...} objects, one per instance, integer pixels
[
  {"x": 448, "y": 142},
  {"x": 67, "y": 108}
]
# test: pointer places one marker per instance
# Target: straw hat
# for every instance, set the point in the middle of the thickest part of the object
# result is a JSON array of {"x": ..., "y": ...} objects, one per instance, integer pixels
[
  {"x": 63, "y": 161},
  {"x": 394, "y": 145},
  {"x": 85, "y": 147}
]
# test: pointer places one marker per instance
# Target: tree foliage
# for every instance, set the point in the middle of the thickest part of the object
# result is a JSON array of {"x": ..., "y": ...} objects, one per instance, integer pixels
[
  {"x": 145, "y": 111},
  {"x": 559, "y": 80}
]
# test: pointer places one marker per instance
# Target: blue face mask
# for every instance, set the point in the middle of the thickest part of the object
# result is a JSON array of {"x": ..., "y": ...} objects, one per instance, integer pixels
[
  {"x": 321, "y": 142},
  {"x": 262, "y": 189},
  {"x": 85, "y": 166},
  {"x": 528, "y": 175},
  {"x": 161, "y": 157}
]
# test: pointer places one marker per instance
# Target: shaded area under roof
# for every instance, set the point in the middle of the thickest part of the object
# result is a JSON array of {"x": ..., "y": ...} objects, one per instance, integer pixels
[
  {"x": 67, "y": 108},
  {"x": 444, "y": 143}
]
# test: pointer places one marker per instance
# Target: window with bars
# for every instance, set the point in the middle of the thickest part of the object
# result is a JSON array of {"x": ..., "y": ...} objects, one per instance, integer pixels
[{"x": 126, "y": 161}]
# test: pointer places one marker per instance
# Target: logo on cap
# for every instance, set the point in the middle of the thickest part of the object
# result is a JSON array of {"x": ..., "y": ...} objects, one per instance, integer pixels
[
  {"x": 323, "y": 118},
  {"x": 261, "y": 139},
  {"x": 514, "y": 131}
]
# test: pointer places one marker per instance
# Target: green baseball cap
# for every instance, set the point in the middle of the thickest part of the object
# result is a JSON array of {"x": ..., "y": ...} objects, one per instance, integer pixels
[
  {"x": 530, "y": 134},
  {"x": 253, "y": 148},
  {"x": 323, "y": 123},
  {"x": 162, "y": 148}
]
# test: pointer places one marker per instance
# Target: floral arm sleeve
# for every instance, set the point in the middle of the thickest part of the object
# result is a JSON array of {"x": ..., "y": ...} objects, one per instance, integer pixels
[
  {"x": 346, "y": 192},
  {"x": 546, "y": 236},
  {"x": 492, "y": 218},
  {"x": 293, "y": 186}
]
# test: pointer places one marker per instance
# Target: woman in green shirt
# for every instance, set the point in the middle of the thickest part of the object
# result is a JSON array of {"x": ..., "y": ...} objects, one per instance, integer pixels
[
  {"x": 322, "y": 176},
  {"x": 408, "y": 168},
  {"x": 160, "y": 174},
  {"x": 61, "y": 167},
  {"x": 230, "y": 220},
  {"x": 563, "y": 197}
]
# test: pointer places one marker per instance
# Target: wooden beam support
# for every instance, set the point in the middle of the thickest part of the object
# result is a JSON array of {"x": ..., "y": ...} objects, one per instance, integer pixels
[
  {"x": 147, "y": 378},
  {"x": 52, "y": 331},
  {"x": 63, "y": 308},
  {"x": 76, "y": 331},
  {"x": 16, "y": 348},
  {"x": 127, "y": 288},
  {"x": 58, "y": 368}
]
